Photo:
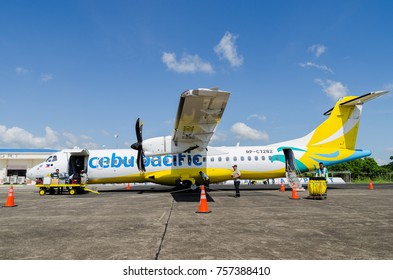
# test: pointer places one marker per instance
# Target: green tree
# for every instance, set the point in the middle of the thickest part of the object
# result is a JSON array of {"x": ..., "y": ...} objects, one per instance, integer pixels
[{"x": 361, "y": 169}]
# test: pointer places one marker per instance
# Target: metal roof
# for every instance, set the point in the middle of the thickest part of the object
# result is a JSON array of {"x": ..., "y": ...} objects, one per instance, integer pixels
[{"x": 27, "y": 151}]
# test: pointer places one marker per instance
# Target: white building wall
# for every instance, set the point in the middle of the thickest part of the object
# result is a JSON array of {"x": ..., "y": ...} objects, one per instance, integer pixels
[{"x": 20, "y": 161}]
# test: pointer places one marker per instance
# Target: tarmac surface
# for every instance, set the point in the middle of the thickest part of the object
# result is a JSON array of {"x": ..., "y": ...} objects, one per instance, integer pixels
[{"x": 151, "y": 222}]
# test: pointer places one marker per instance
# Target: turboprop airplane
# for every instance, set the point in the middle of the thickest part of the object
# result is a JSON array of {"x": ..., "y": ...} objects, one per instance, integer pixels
[{"x": 178, "y": 159}]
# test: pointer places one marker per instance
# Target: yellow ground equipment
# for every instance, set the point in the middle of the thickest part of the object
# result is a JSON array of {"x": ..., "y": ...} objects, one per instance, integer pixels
[
  {"x": 52, "y": 186},
  {"x": 317, "y": 188}
]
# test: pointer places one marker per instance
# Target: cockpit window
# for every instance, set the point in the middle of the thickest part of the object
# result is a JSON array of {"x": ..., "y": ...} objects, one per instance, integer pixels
[
  {"x": 49, "y": 159},
  {"x": 54, "y": 158}
]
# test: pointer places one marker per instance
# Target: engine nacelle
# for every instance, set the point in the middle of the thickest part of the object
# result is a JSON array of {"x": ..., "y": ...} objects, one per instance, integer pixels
[{"x": 162, "y": 145}]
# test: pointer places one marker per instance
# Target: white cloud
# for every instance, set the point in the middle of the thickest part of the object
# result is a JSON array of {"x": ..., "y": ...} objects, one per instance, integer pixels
[
  {"x": 243, "y": 131},
  {"x": 21, "y": 70},
  {"x": 219, "y": 136},
  {"x": 317, "y": 49},
  {"x": 71, "y": 139},
  {"x": 226, "y": 50},
  {"x": 19, "y": 138},
  {"x": 104, "y": 132},
  {"x": 46, "y": 77},
  {"x": 187, "y": 64},
  {"x": 314, "y": 65},
  {"x": 258, "y": 117},
  {"x": 84, "y": 141},
  {"x": 333, "y": 89},
  {"x": 381, "y": 161}
]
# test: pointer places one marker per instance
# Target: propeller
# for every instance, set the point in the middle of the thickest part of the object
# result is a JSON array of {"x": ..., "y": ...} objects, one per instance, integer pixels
[{"x": 138, "y": 146}]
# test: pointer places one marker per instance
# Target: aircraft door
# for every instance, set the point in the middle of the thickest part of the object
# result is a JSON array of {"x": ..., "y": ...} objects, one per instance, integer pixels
[
  {"x": 290, "y": 164},
  {"x": 77, "y": 165}
]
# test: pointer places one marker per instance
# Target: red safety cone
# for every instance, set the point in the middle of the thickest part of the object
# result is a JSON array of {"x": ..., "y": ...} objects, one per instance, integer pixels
[
  {"x": 128, "y": 187},
  {"x": 203, "y": 207},
  {"x": 294, "y": 192},
  {"x": 370, "y": 185},
  {"x": 282, "y": 187},
  {"x": 10, "y": 199}
]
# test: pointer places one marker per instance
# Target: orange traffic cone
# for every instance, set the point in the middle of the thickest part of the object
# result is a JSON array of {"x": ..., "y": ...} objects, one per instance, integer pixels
[
  {"x": 203, "y": 208},
  {"x": 282, "y": 187},
  {"x": 128, "y": 187},
  {"x": 294, "y": 192},
  {"x": 370, "y": 185},
  {"x": 10, "y": 200}
]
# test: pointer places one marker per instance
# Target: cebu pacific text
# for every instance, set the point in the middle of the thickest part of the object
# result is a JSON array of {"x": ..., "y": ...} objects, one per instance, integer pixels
[{"x": 115, "y": 161}]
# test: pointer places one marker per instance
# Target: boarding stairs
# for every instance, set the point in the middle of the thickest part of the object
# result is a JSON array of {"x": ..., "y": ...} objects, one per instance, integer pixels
[{"x": 293, "y": 178}]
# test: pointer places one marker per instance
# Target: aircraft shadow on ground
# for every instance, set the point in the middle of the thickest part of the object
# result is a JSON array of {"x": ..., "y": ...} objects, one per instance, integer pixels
[{"x": 186, "y": 196}]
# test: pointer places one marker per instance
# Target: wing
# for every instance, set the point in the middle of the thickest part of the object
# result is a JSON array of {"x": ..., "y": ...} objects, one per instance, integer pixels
[{"x": 198, "y": 115}]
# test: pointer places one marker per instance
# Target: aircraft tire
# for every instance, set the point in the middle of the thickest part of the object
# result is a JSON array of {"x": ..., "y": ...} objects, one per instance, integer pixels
[
  {"x": 72, "y": 191},
  {"x": 186, "y": 184},
  {"x": 42, "y": 191}
]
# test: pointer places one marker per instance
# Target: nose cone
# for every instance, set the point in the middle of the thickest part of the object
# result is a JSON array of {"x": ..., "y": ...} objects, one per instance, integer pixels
[{"x": 30, "y": 174}]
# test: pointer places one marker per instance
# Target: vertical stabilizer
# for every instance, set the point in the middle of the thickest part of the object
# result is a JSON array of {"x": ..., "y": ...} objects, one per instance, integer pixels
[{"x": 341, "y": 128}]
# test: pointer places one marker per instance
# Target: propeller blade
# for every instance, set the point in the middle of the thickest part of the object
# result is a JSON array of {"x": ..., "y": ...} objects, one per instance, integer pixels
[
  {"x": 138, "y": 131},
  {"x": 143, "y": 161},
  {"x": 140, "y": 160},
  {"x": 138, "y": 146}
]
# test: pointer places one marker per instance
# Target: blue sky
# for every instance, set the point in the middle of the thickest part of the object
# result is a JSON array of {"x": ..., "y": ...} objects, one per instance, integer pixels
[{"x": 77, "y": 73}]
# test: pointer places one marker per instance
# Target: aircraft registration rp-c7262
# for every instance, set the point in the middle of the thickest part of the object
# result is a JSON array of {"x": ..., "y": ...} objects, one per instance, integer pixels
[{"x": 178, "y": 159}]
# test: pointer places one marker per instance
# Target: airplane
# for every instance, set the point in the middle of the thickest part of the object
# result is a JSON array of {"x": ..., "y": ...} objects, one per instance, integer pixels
[{"x": 176, "y": 160}]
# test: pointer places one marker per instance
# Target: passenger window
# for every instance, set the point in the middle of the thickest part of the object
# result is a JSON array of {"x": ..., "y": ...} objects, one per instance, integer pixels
[
  {"x": 249, "y": 158},
  {"x": 270, "y": 157},
  {"x": 219, "y": 159},
  {"x": 263, "y": 157},
  {"x": 256, "y": 158},
  {"x": 212, "y": 159},
  {"x": 242, "y": 158},
  {"x": 234, "y": 158},
  {"x": 227, "y": 158},
  {"x": 204, "y": 159}
]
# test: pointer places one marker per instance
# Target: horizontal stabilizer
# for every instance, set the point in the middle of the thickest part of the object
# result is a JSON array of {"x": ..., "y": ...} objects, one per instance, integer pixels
[{"x": 359, "y": 100}]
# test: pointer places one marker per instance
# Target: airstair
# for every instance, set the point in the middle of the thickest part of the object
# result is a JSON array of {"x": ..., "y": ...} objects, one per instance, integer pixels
[{"x": 292, "y": 173}]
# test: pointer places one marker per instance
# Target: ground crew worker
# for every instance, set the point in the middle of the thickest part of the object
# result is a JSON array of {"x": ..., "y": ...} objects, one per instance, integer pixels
[
  {"x": 321, "y": 171},
  {"x": 56, "y": 174},
  {"x": 206, "y": 180},
  {"x": 236, "y": 180}
]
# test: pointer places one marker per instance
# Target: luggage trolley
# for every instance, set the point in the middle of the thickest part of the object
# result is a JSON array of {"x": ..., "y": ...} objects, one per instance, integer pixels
[{"x": 51, "y": 185}]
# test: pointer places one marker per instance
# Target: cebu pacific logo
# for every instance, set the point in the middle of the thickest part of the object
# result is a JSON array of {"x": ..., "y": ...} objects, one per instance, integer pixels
[{"x": 115, "y": 161}]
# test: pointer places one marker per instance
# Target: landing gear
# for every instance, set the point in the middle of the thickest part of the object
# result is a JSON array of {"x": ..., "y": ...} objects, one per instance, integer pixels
[{"x": 186, "y": 185}]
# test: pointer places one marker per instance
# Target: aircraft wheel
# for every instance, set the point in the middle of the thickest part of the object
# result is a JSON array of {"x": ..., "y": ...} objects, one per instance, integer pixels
[
  {"x": 42, "y": 192},
  {"x": 186, "y": 184},
  {"x": 72, "y": 191}
]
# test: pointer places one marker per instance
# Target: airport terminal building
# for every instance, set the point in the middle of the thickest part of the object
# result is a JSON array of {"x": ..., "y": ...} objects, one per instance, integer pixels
[{"x": 15, "y": 162}]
